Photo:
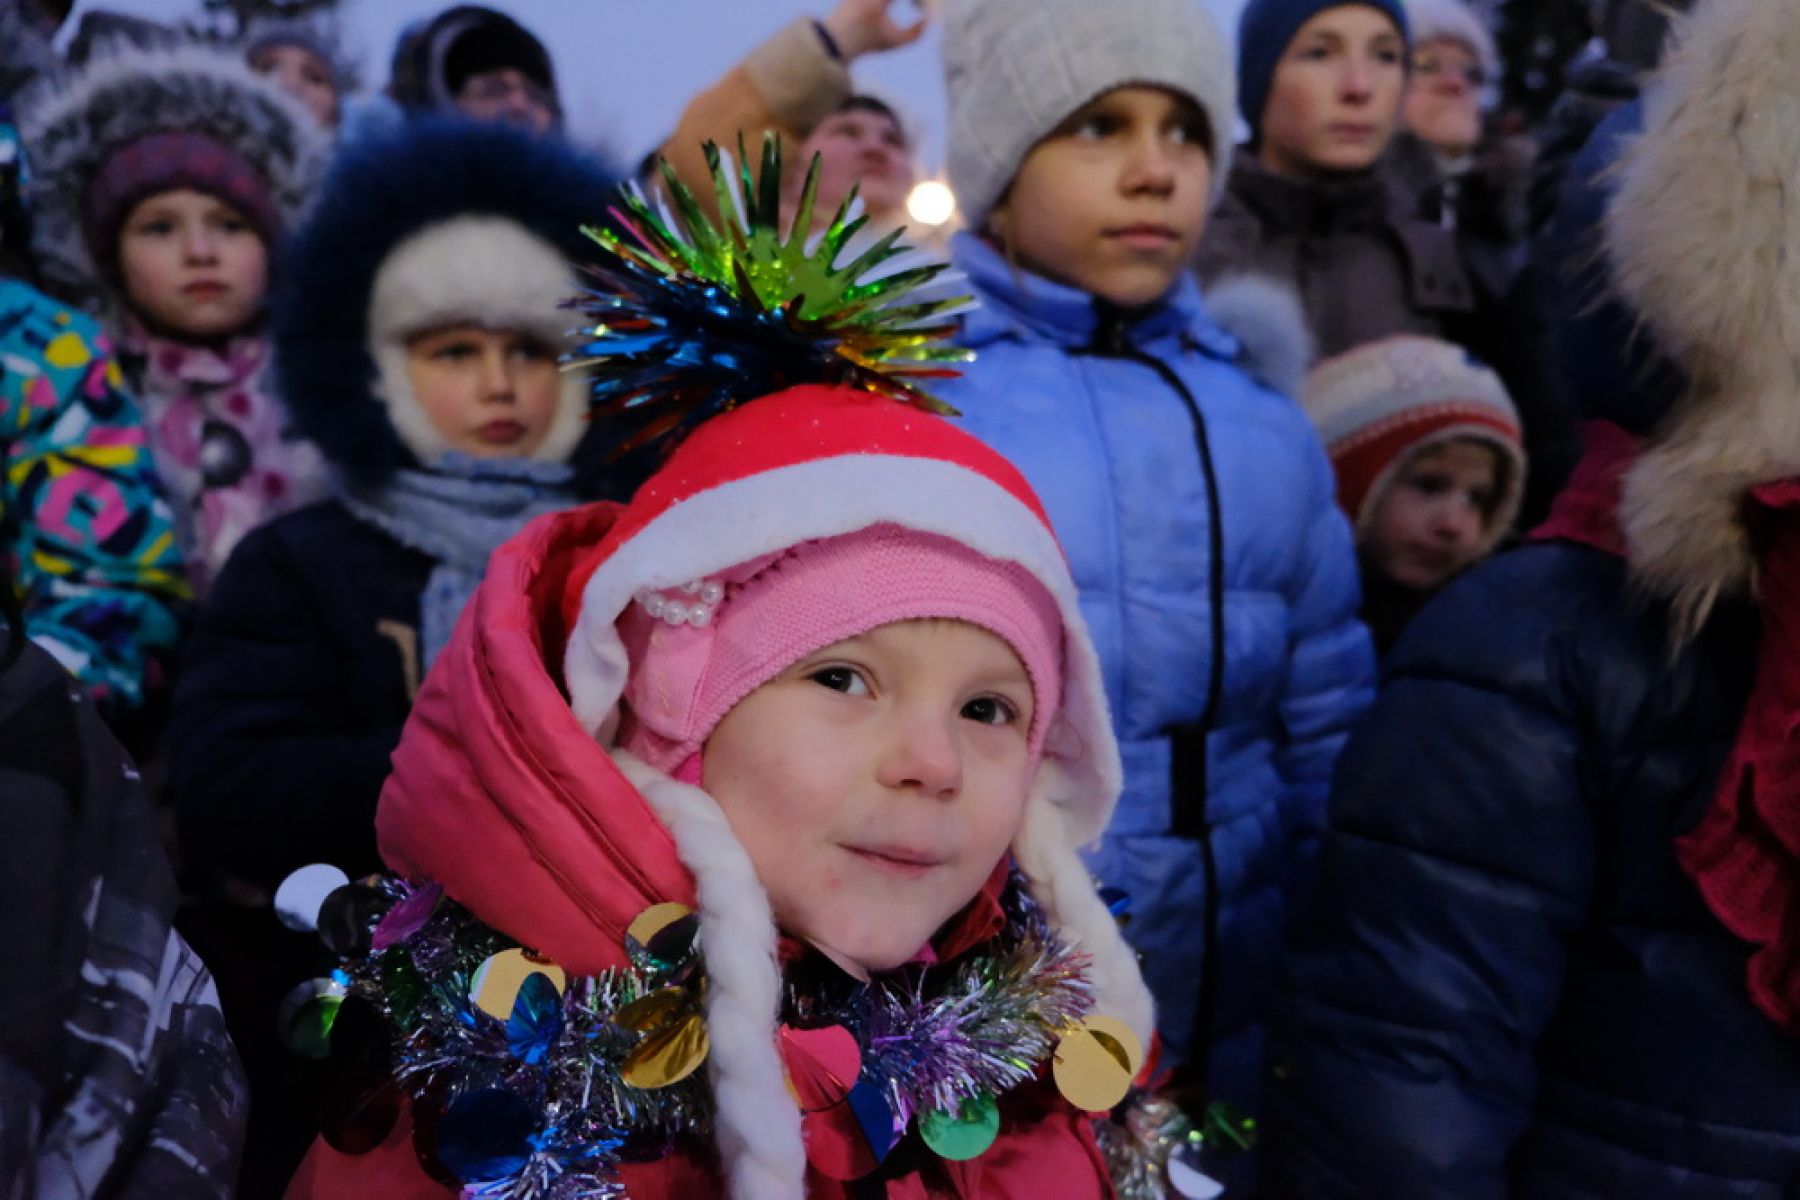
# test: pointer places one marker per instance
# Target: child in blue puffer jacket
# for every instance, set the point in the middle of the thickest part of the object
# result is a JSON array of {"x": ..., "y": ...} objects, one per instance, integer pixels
[{"x": 1195, "y": 503}]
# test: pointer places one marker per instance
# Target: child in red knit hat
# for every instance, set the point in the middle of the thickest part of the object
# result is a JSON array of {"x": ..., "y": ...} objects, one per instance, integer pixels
[
  {"x": 738, "y": 825},
  {"x": 1430, "y": 464}
]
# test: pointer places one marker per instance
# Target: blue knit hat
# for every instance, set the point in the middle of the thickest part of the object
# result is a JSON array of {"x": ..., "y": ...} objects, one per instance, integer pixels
[{"x": 1264, "y": 31}]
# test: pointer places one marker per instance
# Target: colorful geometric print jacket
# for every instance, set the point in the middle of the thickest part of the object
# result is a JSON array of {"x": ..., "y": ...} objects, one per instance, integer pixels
[{"x": 81, "y": 514}]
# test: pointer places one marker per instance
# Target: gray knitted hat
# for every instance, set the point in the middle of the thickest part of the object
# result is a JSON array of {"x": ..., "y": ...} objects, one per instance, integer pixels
[{"x": 1015, "y": 69}]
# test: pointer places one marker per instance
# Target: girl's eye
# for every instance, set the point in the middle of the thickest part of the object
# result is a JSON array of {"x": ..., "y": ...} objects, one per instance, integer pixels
[
  {"x": 532, "y": 351},
  {"x": 456, "y": 351},
  {"x": 1095, "y": 126},
  {"x": 1315, "y": 53},
  {"x": 1388, "y": 56},
  {"x": 990, "y": 710},
  {"x": 1191, "y": 133},
  {"x": 231, "y": 224},
  {"x": 157, "y": 228},
  {"x": 841, "y": 679}
]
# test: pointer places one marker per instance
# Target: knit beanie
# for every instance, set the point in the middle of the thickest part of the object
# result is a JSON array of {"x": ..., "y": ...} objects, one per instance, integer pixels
[
  {"x": 697, "y": 650},
  {"x": 166, "y": 161},
  {"x": 1379, "y": 405},
  {"x": 1265, "y": 30},
  {"x": 1016, "y": 69},
  {"x": 1454, "y": 21}
]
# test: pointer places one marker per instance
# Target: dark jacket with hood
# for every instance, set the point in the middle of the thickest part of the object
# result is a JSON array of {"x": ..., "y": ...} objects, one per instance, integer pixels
[
  {"x": 1505, "y": 984},
  {"x": 421, "y": 79},
  {"x": 305, "y": 661}
]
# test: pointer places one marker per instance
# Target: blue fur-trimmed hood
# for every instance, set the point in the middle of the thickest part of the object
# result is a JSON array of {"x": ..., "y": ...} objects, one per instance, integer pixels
[{"x": 378, "y": 193}]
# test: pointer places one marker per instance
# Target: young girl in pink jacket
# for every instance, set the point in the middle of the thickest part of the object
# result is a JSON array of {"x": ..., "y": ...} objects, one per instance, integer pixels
[{"x": 735, "y": 829}]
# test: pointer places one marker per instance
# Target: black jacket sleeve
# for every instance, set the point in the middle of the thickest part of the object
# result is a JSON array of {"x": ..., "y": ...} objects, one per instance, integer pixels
[{"x": 278, "y": 750}]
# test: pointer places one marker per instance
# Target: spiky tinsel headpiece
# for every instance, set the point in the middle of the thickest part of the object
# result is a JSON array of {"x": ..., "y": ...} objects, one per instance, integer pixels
[{"x": 692, "y": 317}]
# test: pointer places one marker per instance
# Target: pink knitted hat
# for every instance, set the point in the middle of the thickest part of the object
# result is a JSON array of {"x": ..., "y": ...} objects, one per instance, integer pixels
[{"x": 698, "y": 650}]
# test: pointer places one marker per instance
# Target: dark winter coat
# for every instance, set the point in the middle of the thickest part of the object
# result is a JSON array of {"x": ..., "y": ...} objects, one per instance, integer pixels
[
  {"x": 1504, "y": 984},
  {"x": 1366, "y": 267},
  {"x": 116, "y": 1077},
  {"x": 1507, "y": 984},
  {"x": 293, "y": 691}
]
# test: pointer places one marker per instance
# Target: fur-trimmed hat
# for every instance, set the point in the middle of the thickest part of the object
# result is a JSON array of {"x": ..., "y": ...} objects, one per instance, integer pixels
[
  {"x": 1378, "y": 406},
  {"x": 435, "y": 222},
  {"x": 106, "y": 137},
  {"x": 1016, "y": 69},
  {"x": 1703, "y": 238}
]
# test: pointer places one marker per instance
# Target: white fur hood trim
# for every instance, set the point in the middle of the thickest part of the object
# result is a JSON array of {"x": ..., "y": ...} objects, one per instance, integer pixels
[
  {"x": 1704, "y": 239},
  {"x": 482, "y": 270}
]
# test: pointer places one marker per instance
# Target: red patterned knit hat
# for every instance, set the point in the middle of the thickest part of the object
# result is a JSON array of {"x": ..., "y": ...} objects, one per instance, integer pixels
[{"x": 1377, "y": 406}]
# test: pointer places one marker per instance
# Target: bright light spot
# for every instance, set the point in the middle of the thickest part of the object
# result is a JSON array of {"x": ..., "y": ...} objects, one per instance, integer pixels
[{"x": 931, "y": 203}]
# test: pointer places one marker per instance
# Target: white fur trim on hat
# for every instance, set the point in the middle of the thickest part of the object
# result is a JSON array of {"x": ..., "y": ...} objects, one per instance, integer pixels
[
  {"x": 74, "y": 126},
  {"x": 1016, "y": 69},
  {"x": 1453, "y": 20},
  {"x": 480, "y": 270}
]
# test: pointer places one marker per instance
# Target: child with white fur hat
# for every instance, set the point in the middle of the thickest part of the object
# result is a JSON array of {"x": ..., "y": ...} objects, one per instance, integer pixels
[
  {"x": 417, "y": 334},
  {"x": 1086, "y": 145},
  {"x": 416, "y": 337}
]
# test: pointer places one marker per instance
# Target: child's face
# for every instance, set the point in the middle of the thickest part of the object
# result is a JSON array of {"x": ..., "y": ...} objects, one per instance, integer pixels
[
  {"x": 877, "y": 783},
  {"x": 509, "y": 96},
  {"x": 298, "y": 72},
  {"x": 1114, "y": 201},
  {"x": 1335, "y": 95},
  {"x": 1443, "y": 98},
  {"x": 192, "y": 264},
  {"x": 492, "y": 393},
  {"x": 1431, "y": 520},
  {"x": 862, "y": 149}
]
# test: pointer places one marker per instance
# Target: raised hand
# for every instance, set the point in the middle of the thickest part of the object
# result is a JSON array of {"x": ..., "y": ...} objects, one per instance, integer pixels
[{"x": 862, "y": 27}]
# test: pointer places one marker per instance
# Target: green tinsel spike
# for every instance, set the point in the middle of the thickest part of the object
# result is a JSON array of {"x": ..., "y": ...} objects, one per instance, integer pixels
[{"x": 694, "y": 314}]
